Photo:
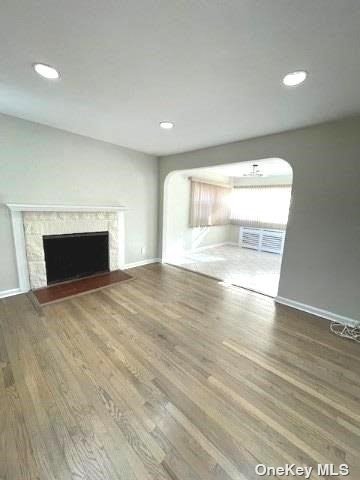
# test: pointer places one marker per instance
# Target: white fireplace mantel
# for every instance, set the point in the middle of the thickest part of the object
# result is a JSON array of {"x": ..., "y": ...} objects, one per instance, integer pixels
[{"x": 17, "y": 209}]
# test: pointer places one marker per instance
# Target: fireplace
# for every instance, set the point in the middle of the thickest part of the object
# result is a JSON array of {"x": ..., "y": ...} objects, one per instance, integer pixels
[
  {"x": 31, "y": 223},
  {"x": 70, "y": 256}
]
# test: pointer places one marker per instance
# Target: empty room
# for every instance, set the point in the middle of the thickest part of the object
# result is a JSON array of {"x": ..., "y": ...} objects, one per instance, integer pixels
[
  {"x": 229, "y": 222},
  {"x": 179, "y": 239}
]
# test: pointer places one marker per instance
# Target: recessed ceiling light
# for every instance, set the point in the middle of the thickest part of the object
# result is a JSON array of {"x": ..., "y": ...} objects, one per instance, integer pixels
[
  {"x": 294, "y": 78},
  {"x": 166, "y": 125},
  {"x": 46, "y": 71}
]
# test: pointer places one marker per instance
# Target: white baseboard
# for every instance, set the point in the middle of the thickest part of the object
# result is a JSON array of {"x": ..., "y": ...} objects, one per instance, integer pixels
[
  {"x": 334, "y": 317},
  {"x": 17, "y": 291},
  {"x": 141, "y": 263},
  {"x": 10, "y": 293}
]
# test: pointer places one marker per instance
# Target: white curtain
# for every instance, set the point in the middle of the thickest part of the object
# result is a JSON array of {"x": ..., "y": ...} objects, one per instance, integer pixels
[
  {"x": 263, "y": 207},
  {"x": 210, "y": 204}
]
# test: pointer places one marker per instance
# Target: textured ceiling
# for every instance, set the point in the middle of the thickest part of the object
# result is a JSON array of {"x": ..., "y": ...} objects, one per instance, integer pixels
[{"x": 212, "y": 67}]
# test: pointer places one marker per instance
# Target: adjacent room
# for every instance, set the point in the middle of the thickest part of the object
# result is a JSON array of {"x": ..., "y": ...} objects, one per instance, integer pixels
[
  {"x": 229, "y": 222},
  {"x": 179, "y": 239}
]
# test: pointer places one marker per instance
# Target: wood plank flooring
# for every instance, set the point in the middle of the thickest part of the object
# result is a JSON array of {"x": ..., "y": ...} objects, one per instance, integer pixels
[{"x": 172, "y": 376}]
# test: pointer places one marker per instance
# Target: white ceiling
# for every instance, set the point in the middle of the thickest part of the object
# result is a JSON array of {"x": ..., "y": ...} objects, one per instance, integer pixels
[
  {"x": 212, "y": 67},
  {"x": 268, "y": 167}
]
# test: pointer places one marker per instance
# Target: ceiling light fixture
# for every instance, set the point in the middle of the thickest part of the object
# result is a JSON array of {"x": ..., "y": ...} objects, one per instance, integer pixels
[
  {"x": 46, "y": 71},
  {"x": 294, "y": 78},
  {"x": 166, "y": 125},
  {"x": 255, "y": 172}
]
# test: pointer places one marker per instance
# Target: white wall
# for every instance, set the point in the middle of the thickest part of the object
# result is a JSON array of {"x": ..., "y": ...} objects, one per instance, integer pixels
[
  {"x": 40, "y": 164},
  {"x": 321, "y": 263},
  {"x": 180, "y": 237}
]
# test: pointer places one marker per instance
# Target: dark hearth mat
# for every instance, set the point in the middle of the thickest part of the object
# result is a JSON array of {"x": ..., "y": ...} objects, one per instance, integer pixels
[{"x": 61, "y": 291}]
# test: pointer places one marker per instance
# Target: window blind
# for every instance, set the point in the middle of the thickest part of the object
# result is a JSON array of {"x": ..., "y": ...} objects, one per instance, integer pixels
[
  {"x": 210, "y": 204},
  {"x": 261, "y": 206}
]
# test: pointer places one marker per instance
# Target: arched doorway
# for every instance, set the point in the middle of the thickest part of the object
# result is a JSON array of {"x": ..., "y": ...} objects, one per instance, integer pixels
[{"x": 242, "y": 245}]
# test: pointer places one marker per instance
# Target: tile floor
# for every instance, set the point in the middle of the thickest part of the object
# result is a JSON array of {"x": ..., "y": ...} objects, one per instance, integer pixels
[{"x": 259, "y": 271}]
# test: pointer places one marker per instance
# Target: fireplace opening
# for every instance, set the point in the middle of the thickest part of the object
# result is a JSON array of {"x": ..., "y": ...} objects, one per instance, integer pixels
[{"x": 75, "y": 255}]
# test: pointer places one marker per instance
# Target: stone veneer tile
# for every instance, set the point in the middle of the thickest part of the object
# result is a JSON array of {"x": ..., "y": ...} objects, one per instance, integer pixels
[
  {"x": 35, "y": 248},
  {"x": 37, "y": 224}
]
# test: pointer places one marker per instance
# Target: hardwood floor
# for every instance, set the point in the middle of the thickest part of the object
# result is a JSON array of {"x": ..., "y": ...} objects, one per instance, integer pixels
[{"x": 172, "y": 376}]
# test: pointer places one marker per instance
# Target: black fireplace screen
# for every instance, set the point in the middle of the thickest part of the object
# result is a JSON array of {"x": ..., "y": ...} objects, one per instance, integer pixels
[{"x": 75, "y": 255}]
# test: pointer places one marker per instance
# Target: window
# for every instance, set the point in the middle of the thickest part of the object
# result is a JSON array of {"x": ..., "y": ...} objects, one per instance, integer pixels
[
  {"x": 264, "y": 206},
  {"x": 209, "y": 204}
]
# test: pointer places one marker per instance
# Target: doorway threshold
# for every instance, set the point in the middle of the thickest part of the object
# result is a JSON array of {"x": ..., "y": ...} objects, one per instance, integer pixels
[{"x": 220, "y": 280}]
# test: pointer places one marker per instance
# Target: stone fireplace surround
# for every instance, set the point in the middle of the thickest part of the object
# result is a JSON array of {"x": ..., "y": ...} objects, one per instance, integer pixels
[{"x": 31, "y": 222}]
